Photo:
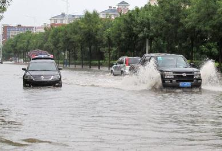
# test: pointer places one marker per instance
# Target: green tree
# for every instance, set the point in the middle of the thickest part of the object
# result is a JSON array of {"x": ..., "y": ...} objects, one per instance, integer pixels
[
  {"x": 3, "y": 7},
  {"x": 90, "y": 26}
]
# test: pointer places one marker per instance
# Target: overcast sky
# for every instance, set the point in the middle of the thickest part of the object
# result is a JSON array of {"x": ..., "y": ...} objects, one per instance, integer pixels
[{"x": 38, "y": 12}]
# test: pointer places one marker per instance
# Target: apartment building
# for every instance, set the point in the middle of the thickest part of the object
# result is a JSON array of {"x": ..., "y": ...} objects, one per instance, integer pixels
[
  {"x": 11, "y": 31},
  {"x": 63, "y": 19}
]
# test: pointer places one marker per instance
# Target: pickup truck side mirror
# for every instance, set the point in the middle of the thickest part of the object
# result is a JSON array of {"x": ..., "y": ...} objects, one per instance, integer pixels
[
  {"x": 24, "y": 69},
  {"x": 192, "y": 64}
]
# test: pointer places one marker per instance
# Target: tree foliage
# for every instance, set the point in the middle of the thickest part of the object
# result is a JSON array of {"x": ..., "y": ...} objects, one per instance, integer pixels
[
  {"x": 188, "y": 27},
  {"x": 3, "y": 7}
]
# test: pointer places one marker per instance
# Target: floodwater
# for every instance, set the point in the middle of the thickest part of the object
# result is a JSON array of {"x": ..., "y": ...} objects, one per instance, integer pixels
[{"x": 95, "y": 111}]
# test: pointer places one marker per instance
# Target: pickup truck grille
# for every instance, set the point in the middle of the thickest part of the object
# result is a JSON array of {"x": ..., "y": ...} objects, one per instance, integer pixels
[
  {"x": 187, "y": 77},
  {"x": 184, "y": 77}
]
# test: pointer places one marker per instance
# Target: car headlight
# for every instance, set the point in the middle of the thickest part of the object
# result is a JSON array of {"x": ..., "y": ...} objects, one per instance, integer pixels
[
  {"x": 56, "y": 77},
  {"x": 168, "y": 75},
  {"x": 28, "y": 76},
  {"x": 197, "y": 75}
]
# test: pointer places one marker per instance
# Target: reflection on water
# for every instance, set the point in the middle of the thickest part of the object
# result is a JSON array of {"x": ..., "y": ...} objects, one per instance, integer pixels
[
  {"x": 11, "y": 143},
  {"x": 95, "y": 111}
]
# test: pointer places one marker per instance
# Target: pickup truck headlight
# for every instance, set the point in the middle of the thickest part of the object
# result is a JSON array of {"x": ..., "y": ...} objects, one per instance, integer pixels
[
  {"x": 168, "y": 75},
  {"x": 197, "y": 75},
  {"x": 28, "y": 76}
]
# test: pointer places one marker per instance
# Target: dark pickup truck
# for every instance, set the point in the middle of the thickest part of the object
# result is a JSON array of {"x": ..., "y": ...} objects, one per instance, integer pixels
[{"x": 174, "y": 69}]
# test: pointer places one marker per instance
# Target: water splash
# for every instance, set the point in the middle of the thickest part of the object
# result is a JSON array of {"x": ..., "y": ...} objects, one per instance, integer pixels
[
  {"x": 148, "y": 77},
  {"x": 210, "y": 76}
]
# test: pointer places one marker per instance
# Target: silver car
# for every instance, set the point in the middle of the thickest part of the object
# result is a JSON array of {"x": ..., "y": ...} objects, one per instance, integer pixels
[{"x": 122, "y": 66}]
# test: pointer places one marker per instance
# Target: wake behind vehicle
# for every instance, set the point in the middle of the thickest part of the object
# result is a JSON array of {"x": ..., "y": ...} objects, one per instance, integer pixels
[
  {"x": 122, "y": 66},
  {"x": 174, "y": 69},
  {"x": 42, "y": 72}
]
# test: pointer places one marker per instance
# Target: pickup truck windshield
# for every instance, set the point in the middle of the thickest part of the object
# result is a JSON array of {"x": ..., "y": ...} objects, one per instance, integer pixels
[{"x": 172, "y": 62}]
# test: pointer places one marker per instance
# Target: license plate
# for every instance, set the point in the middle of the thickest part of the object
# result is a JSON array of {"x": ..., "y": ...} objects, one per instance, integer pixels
[{"x": 185, "y": 84}]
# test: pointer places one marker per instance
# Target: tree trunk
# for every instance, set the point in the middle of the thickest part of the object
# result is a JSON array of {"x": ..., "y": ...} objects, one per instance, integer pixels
[
  {"x": 23, "y": 56},
  {"x": 81, "y": 55},
  {"x": 98, "y": 57},
  {"x": 151, "y": 44},
  {"x": 192, "y": 49},
  {"x": 18, "y": 58},
  {"x": 134, "y": 51},
  {"x": 168, "y": 47},
  {"x": 220, "y": 54},
  {"x": 74, "y": 59},
  {"x": 109, "y": 43},
  {"x": 58, "y": 58},
  {"x": 90, "y": 51},
  {"x": 69, "y": 58},
  {"x": 64, "y": 59},
  {"x": 118, "y": 52}
]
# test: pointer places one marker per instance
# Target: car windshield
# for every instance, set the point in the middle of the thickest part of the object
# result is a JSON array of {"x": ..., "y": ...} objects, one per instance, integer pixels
[
  {"x": 172, "y": 62},
  {"x": 42, "y": 66},
  {"x": 134, "y": 60}
]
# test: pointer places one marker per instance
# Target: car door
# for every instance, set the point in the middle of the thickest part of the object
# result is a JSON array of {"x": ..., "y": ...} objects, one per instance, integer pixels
[
  {"x": 122, "y": 65},
  {"x": 117, "y": 67}
]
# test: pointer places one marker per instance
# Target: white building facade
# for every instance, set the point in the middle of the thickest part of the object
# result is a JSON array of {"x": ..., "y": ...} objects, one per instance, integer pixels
[
  {"x": 113, "y": 12},
  {"x": 64, "y": 18}
]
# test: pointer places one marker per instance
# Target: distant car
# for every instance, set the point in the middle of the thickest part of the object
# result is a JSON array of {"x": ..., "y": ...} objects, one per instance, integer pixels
[
  {"x": 122, "y": 66},
  {"x": 42, "y": 72},
  {"x": 1, "y": 61},
  {"x": 174, "y": 69}
]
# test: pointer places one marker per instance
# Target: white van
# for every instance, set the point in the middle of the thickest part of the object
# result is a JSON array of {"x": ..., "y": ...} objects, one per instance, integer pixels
[{"x": 121, "y": 67}]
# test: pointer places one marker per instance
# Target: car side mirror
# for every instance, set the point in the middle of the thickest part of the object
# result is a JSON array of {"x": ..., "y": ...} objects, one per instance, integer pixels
[
  {"x": 24, "y": 69},
  {"x": 60, "y": 68},
  {"x": 115, "y": 64}
]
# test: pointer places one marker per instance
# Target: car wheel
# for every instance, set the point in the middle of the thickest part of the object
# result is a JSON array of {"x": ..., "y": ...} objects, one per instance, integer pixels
[
  {"x": 26, "y": 84},
  {"x": 112, "y": 72},
  {"x": 59, "y": 84},
  {"x": 122, "y": 73}
]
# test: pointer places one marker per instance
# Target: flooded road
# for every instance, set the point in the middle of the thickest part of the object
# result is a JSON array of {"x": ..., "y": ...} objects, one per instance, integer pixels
[{"x": 96, "y": 111}]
